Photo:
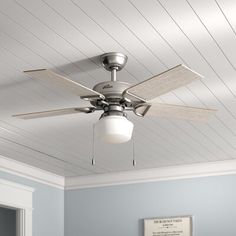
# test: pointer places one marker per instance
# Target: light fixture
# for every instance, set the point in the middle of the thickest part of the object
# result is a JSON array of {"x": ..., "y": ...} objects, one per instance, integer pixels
[{"x": 114, "y": 129}]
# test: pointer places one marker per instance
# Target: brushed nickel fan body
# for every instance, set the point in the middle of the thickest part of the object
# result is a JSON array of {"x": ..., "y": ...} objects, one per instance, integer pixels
[
  {"x": 114, "y": 126},
  {"x": 116, "y": 97},
  {"x": 113, "y": 90},
  {"x": 114, "y": 103}
]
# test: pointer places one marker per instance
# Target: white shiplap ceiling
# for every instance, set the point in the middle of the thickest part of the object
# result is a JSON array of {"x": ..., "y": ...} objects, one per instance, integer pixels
[{"x": 68, "y": 35}]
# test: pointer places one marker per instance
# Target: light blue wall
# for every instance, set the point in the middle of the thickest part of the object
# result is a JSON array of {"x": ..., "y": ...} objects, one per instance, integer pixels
[
  {"x": 120, "y": 210},
  {"x": 7, "y": 222},
  {"x": 48, "y": 204}
]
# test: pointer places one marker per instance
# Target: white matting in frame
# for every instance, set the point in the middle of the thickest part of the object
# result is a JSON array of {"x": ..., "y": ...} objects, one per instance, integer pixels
[{"x": 169, "y": 226}]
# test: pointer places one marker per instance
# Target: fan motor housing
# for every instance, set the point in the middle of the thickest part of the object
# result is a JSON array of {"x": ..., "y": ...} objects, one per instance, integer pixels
[{"x": 111, "y": 89}]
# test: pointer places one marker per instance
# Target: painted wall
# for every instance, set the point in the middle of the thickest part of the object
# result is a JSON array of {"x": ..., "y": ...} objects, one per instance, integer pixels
[
  {"x": 7, "y": 222},
  {"x": 120, "y": 210},
  {"x": 48, "y": 204}
]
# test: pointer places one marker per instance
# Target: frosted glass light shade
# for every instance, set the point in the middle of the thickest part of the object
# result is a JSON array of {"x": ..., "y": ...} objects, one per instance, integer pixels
[{"x": 114, "y": 129}]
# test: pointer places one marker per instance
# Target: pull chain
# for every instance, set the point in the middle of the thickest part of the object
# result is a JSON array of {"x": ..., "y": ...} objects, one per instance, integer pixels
[
  {"x": 134, "y": 160},
  {"x": 93, "y": 153}
]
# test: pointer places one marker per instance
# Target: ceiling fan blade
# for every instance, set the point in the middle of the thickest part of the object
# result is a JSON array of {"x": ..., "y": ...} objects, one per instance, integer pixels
[
  {"x": 162, "y": 83},
  {"x": 174, "y": 111},
  {"x": 58, "y": 112},
  {"x": 76, "y": 88}
]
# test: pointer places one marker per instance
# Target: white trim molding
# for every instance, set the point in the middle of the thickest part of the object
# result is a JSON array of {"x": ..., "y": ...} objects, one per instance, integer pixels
[
  {"x": 20, "y": 169},
  {"x": 226, "y": 167},
  {"x": 151, "y": 175},
  {"x": 23, "y": 203}
]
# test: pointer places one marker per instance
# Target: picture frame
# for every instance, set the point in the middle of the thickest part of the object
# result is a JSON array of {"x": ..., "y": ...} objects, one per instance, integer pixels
[{"x": 169, "y": 226}]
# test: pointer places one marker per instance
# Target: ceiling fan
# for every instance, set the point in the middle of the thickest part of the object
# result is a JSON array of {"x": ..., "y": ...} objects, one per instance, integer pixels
[{"x": 115, "y": 98}]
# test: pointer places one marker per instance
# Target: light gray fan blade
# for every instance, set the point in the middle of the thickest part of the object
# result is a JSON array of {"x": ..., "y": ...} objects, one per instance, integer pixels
[
  {"x": 62, "y": 81},
  {"x": 174, "y": 112},
  {"x": 162, "y": 83},
  {"x": 58, "y": 112}
]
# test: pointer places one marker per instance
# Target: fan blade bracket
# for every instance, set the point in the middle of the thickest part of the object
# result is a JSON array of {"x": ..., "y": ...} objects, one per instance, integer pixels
[
  {"x": 143, "y": 109},
  {"x": 93, "y": 97},
  {"x": 132, "y": 97},
  {"x": 37, "y": 70},
  {"x": 85, "y": 109}
]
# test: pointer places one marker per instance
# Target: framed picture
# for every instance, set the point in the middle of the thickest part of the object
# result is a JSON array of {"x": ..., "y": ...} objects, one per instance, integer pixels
[{"x": 169, "y": 226}]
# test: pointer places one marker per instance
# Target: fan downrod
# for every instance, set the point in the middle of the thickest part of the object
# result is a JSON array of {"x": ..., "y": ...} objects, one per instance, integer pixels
[{"x": 112, "y": 90}]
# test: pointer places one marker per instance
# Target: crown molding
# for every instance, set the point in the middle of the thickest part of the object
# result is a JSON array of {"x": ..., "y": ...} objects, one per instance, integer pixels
[
  {"x": 150, "y": 175},
  {"x": 11, "y": 166},
  {"x": 29, "y": 172}
]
